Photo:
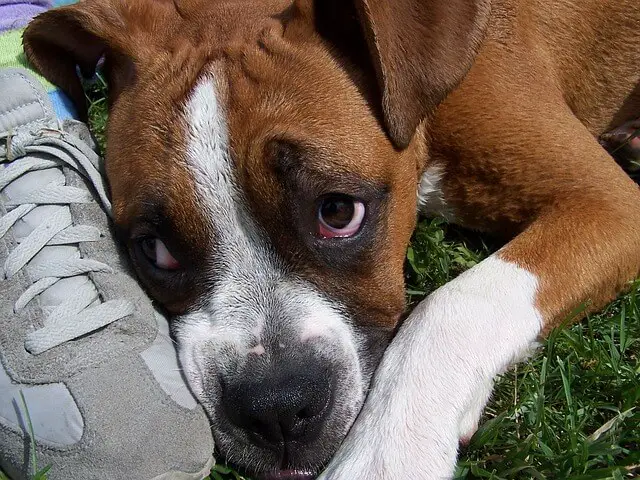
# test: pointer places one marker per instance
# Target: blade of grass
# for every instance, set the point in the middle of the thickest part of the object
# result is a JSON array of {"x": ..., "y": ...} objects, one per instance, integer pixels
[{"x": 34, "y": 459}]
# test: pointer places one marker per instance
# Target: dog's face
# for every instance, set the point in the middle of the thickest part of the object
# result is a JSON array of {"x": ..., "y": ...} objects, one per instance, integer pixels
[
  {"x": 262, "y": 203},
  {"x": 270, "y": 217}
]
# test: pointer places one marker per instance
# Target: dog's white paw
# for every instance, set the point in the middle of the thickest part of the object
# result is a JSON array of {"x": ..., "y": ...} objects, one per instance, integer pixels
[
  {"x": 437, "y": 374},
  {"x": 372, "y": 452}
]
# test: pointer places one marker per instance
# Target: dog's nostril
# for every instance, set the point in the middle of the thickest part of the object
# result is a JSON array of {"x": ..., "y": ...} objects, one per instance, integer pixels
[
  {"x": 256, "y": 426},
  {"x": 304, "y": 414},
  {"x": 289, "y": 405},
  {"x": 313, "y": 409}
]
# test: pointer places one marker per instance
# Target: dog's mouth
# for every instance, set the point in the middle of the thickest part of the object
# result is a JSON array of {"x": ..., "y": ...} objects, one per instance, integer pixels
[
  {"x": 288, "y": 475},
  {"x": 283, "y": 472}
]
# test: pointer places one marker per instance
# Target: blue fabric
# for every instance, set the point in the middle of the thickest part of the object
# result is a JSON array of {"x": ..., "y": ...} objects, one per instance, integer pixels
[
  {"x": 62, "y": 105},
  {"x": 16, "y": 14}
]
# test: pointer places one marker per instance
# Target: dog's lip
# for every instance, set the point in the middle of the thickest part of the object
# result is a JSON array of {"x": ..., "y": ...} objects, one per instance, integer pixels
[{"x": 288, "y": 475}]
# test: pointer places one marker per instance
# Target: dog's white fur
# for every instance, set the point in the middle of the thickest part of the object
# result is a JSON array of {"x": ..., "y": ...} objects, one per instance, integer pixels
[
  {"x": 437, "y": 374},
  {"x": 430, "y": 196},
  {"x": 252, "y": 296}
]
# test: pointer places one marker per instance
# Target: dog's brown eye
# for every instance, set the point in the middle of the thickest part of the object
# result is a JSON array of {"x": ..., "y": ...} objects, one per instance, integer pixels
[
  {"x": 158, "y": 254},
  {"x": 340, "y": 216}
]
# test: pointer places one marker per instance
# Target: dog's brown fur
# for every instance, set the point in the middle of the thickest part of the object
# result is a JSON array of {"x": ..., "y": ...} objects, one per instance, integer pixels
[{"x": 551, "y": 78}]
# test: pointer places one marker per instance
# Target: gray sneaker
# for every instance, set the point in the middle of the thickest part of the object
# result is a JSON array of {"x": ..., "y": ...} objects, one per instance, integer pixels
[{"x": 79, "y": 339}]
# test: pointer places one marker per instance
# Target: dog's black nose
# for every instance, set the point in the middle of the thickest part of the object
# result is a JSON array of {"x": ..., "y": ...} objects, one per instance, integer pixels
[{"x": 289, "y": 404}]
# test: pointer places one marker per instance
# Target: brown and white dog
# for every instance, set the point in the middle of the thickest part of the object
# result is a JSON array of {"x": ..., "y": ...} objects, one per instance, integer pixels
[{"x": 264, "y": 158}]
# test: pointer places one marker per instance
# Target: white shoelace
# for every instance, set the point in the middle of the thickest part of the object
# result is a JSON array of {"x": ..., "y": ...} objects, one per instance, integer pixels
[{"x": 83, "y": 312}]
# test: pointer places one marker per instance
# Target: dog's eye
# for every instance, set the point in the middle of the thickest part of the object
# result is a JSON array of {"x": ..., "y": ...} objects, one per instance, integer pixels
[
  {"x": 339, "y": 216},
  {"x": 158, "y": 254}
]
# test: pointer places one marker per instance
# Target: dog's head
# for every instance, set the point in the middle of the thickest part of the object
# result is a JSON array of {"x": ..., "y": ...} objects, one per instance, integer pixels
[{"x": 263, "y": 159}]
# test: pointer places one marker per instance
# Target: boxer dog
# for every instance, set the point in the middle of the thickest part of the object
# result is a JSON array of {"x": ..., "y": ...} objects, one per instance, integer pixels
[{"x": 267, "y": 159}]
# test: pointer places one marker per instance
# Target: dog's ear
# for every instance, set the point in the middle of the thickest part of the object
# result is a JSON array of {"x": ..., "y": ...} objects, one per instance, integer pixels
[
  {"x": 124, "y": 33},
  {"x": 420, "y": 50}
]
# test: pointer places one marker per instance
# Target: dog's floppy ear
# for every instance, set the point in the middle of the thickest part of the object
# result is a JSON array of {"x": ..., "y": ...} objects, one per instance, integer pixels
[
  {"x": 120, "y": 31},
  {"x": 421, "y": 50}
]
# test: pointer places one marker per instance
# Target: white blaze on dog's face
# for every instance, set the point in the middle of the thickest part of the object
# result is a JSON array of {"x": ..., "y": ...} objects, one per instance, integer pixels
[
  {"x": 280, "y": 346},
  {"x": 272, "y": 357},
  {"x": 280, "y": 342},
  {"x": 262, "y": 202}
]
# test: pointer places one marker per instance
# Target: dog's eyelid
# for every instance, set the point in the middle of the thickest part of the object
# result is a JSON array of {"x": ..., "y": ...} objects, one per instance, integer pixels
[
  {"x": 152, "y": 213},
  {"x": 143, "y": 234},
  {"x": 152, "y": 223},
  {"x": 143, "y": 231}
]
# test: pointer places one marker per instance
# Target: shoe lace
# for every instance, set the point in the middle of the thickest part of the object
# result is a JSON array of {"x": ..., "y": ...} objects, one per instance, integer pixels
[{"x": 83, "y": 312}]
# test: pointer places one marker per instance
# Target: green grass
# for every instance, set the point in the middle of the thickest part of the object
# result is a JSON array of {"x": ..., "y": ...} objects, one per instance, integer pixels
[
  {"x": 37, "y": 474},
  {"x": 571, "y": 412}
]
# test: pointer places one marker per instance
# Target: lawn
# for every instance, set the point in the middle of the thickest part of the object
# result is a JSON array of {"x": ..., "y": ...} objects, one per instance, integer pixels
[{"x": 572, "y": 411}]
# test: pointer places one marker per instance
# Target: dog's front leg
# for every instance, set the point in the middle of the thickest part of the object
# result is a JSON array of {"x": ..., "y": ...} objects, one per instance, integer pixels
[{"x": 437, "y": 374}]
